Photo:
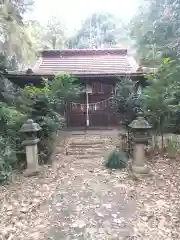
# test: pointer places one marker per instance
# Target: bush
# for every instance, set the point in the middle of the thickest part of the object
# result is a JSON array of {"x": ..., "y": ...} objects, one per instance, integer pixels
[
  {"x": 44, "y": 105},
  {"x": 10, "y": 122},
  {"x": 126, "y": 100},
  {"x": 47, "y": 134},
  {"x": 47, "y": 106},
  {"x": 7, "y": 158},
  {"x": 116, "y": 160}
]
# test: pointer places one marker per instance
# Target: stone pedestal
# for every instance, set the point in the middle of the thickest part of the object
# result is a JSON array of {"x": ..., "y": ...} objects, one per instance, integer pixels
[
  {"x": 32, "y": 160},
  {"x": 139, "y": 165}
]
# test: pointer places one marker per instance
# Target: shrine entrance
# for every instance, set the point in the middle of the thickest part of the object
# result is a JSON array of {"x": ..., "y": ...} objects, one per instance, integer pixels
[{"x": 93, "y": 108}]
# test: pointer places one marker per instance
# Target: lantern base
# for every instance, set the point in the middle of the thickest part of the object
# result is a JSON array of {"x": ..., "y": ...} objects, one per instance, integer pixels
[
  {"x": 140, "y": 171},
  {"x": 31, "y": 172}
]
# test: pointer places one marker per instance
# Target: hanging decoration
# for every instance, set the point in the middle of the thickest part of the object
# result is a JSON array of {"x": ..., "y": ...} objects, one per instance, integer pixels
[{"x": 93, "y": 106}]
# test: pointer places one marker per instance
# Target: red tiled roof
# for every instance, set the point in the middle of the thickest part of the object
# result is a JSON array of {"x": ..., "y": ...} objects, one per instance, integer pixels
[{"x": 86, "y": 61}]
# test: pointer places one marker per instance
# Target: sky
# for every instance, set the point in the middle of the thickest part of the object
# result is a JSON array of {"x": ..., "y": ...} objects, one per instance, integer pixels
[{"x": 73, "y": 12}]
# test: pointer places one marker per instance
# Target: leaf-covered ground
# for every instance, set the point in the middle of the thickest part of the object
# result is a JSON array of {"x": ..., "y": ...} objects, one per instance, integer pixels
[{"x": 77, "y": 199}]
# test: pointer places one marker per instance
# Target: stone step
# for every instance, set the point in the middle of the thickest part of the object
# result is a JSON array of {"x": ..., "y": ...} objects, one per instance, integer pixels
[
  {"x": 80, "y": 152},
  {"x": 90, "y": 149},
  {"x": 90, "y": 156},
  {"x": 86, "y": 150},
  {"x": 87, "y": 143},
  {"x": 86, "y": 146}
]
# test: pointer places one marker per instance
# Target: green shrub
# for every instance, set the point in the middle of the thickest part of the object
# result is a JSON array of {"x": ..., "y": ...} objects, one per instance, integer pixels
[
  {"x": 49, "y": 128},
  {"x": 126, "y": 100},
  {"x": 10, "y": 123},
  {"x": 44, "y": 113},
  {"x": 45, "y": 105},
  {"x": 7, "y": 158},
  {"x": 116, "y": 160}
]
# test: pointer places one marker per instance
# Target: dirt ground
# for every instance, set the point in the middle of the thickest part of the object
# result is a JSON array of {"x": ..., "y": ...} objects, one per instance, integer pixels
[{"x": 77, "y": 199}]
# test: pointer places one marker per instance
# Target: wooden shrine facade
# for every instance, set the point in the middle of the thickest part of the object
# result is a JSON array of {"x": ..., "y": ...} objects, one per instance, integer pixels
[
  {"x": 98, "y": 71},
  {"x": 98, "y": 100}
]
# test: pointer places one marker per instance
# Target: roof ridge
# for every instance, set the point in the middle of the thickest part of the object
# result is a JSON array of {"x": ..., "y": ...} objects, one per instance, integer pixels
[
  {"x": 81, "y": 49},
  {"x": 76, "y": 52}
]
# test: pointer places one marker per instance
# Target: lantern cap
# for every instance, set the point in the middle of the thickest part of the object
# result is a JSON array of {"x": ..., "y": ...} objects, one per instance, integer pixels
[
  {"x": 140, "y": 123},
  {"x": 30, "y": 126}
]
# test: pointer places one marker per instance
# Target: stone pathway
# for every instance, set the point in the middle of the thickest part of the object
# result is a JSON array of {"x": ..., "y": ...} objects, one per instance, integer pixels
[
  {"x": 90, "y": 202},
  {"x": 77, "y": 198}
]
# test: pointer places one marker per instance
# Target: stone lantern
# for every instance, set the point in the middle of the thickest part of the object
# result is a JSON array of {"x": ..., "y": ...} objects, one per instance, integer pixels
[
  {"x": 140, "y": 135},
  {"x": 30, "y": 129}
]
